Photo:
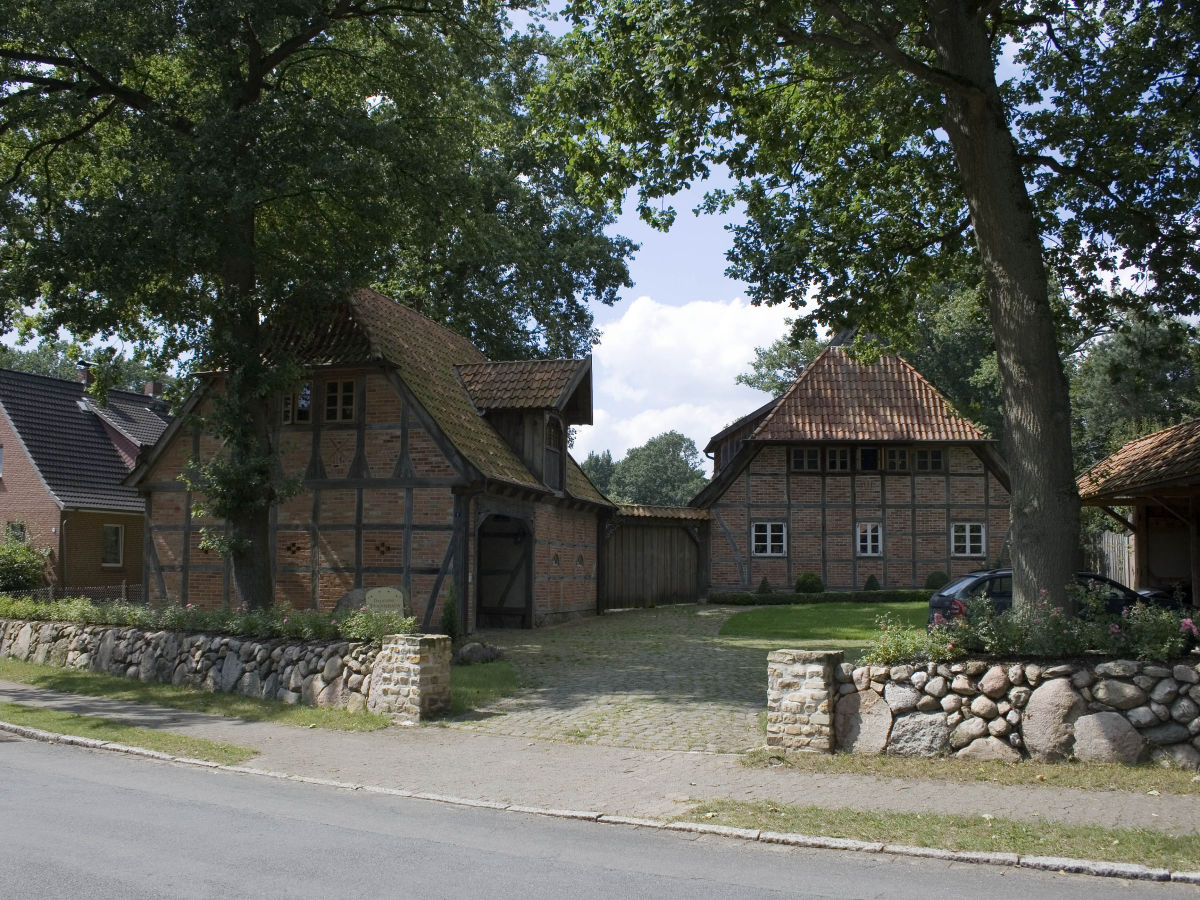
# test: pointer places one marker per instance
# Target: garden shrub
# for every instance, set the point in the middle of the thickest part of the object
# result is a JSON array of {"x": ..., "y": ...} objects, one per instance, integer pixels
[
  {"x": 809, "y": 583},
  {"x": 936, "y": 580},
  {"x": 872, "y": 583},
  {"x": 764, "y": 586},
  {"x": 449, "y": 624},
  {"x": 898, "y": 643},
  {"x": 276, "y": 622},
  {"x": 22, "y": 566}
]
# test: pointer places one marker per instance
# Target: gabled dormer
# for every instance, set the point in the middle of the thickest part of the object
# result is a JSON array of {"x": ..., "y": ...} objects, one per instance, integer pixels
[{"x": 532, "y": 404}]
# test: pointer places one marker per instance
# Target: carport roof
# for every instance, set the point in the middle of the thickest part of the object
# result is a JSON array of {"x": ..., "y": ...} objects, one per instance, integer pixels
[{"x": 1167, "y": 461}]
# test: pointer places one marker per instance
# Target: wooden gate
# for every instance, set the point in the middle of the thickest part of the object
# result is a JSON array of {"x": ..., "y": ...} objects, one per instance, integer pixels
[{"x": 654, "y": 556}]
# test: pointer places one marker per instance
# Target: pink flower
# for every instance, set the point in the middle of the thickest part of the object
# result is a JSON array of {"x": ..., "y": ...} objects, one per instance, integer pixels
[
  {"x": 939, "y": 619},
  {"x": 1187, "y": 625},
  {"x": 1114, "y": 628}
]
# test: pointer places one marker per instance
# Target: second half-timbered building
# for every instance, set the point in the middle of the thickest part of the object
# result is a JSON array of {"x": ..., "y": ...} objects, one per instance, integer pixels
[
  {"x": 858, "y": 470},
  {"x": 425, "y": 467}
]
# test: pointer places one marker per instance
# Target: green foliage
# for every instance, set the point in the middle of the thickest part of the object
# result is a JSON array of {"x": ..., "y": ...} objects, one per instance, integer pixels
[
  {"x": 894, "y": 595},
  {"x": 664, "y": 471},
  {"x": 450, "y": 624},
  {"x": 837, "y": 624},
  {"x": 22, "y": 566},
  {"x": 936, "y": 580},
  {"x": 809, "y": 583},
  {"x": 872, "y": 583},
  {"x": 276, "y": 622},
  {"x": 776, "y": 366},
  {"x": 899, "y": 643},
  {"x": 599, "y": 467},
  {"x": 764, "y": 587}
]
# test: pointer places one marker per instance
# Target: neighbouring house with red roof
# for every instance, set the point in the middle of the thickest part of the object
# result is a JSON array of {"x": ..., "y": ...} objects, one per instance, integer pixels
[
  {"x": 63, "y": 458},
  {"x": 858, "y": 470},
  {"x": 425, "y": 467},
  {"x": 1157, "y": 479}
]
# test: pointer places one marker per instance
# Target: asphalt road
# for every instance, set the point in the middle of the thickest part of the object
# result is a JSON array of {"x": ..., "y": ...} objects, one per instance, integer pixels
[{"x": 79, "y": 823}]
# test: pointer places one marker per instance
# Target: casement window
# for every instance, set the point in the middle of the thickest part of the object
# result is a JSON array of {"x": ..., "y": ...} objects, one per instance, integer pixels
[
  {"x": 297, "y": 407},
  {"x": 966, "y": 539},
  {"x": 837, "y": 459},
  {"x": 553, "y": 459},
  {"x": 112, "y": 546},
  {"x": 930, "y": 460},
  {"x": 897, "y": 459},
  {"x": 868, "y": 459},
  {"x": 339, "y": 401},
  {"x": 806, "y": 459},
  {"x": 869, "y": 539},
  {"x": 770, "y": 538}
]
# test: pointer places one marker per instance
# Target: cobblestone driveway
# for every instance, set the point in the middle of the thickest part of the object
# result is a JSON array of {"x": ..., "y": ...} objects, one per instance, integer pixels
[{"x": 652, "y": 679}]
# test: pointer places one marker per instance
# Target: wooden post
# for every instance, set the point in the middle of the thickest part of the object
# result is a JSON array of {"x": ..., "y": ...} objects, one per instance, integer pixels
[
  {"x": 1141, "y": 548},
  {"x": 1194, "y": 546}
]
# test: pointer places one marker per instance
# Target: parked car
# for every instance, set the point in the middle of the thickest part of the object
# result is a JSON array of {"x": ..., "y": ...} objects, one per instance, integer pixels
[{"x": 995, "y": 587}]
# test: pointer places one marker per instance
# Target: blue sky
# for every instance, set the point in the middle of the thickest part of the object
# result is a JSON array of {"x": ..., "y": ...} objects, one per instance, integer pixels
[{"x": 673, "y": 345}]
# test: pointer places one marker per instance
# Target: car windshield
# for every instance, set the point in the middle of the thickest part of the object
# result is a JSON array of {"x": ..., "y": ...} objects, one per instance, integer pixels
[{"x": 955, "y": 586}]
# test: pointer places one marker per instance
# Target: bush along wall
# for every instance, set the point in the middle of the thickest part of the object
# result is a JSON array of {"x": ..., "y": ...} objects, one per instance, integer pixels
[
  {"x": 1114, "y": 710},
  {"x": 406, "y": 676}
]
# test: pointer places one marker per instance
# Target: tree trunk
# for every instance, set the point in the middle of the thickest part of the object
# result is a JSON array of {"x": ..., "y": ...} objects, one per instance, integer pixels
[{"x": 1045, "y": 502}]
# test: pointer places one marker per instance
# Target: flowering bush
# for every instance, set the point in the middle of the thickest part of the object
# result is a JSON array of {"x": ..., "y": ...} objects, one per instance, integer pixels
[
  {"x": 1142, "y": 631},
  {"x": 276, "y": 622}
]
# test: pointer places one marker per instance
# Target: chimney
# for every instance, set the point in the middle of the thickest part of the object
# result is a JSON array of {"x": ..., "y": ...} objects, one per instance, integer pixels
[
  {"x": 153, "y": 388},
  {"x": 85, "y": 372}
]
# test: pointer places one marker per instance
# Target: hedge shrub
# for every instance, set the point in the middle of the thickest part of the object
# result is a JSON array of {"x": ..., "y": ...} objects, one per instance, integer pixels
[{"x": 809, "y": 583}]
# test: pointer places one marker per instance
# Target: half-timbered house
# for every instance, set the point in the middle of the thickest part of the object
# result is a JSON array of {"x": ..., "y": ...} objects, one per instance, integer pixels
[
  {"x": 858, "y": 470},
  {"x": 425, "y": 467}
]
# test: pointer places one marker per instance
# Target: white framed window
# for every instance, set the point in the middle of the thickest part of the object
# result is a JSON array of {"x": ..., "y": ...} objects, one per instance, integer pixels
[
  {"x": 930, "y": 460},
  {"x": 837, "y": 459},
  {"x": 806, "y": 459},
  {"x": 868, "y": 459},
  {"x": 112, "y": 546},
  {"x": 770, "y": 538},
  {"x": 966, "y": 539},
  {"x": 339, "y": 401},
  {"x": 897, "y": 459},
  {"x": 869, "y": 539}
]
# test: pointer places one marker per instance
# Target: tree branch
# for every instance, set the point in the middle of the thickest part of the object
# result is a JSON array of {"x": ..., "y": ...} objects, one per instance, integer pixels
[
  {"x": 1087, "y": 176},
  {"x": 58, "y": 142}
]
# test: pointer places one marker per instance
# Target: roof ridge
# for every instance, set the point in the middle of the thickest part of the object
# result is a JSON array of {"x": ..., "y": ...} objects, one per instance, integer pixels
[{"x": 795, "y": 384}]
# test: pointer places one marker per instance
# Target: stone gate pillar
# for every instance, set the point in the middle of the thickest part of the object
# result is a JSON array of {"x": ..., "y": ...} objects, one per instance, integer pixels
[
  {"x": 800, "y": 696},
  {"x": 411, "y": 677}
]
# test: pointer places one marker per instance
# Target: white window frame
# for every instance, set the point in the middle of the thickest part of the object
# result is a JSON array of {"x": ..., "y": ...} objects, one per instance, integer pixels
[
  {"x": 768, "y": 538},
  {"x": 842, "y": 455},
  {"x": 108, "y": 564},
  {"x": 806, "y": 459},
  {"x": 968, "y": 539},
  {"x": 868, "y": 539}
]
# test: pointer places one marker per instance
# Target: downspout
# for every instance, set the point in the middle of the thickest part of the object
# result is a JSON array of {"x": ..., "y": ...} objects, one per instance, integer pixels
[{"x": 62, "y": 550}]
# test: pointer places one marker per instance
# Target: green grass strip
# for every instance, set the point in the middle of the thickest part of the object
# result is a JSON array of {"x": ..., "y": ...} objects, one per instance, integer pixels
[
  {"x": 99, "y": 729},
  {"x": 838, "y": 622},
  {"x": 92, "y": 684},
  {"x": 1145, "y": 779},
  {"x": 954, "y": 832},
  {"x": 477, "y": 686}
]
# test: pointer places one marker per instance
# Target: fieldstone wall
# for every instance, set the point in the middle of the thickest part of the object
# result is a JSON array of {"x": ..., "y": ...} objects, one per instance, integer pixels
[
  {"x": 1107, "y": 711},
  {"x": 800, "y": 697},
  {"x": 412, "y": 683}
]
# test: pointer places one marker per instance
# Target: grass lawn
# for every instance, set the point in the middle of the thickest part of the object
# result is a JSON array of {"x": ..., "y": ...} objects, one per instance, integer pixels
[
  {"x": 91, "y": 684},
  {"x": 100, "y": 729},
  {"x": 987, "y": 833},
  {"x": 820, "y": 626}
]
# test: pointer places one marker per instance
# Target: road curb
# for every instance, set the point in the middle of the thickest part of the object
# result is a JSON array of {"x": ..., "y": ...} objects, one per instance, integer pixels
[{"x": 1095, "y": 868}]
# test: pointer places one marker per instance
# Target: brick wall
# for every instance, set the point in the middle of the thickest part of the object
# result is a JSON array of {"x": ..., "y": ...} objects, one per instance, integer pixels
[
  {"x": 82, "y": 561},
  {"x": 23, "y": 497},
  {"x": 822, "y": 510},
  {"x": 565, "y": 564}
]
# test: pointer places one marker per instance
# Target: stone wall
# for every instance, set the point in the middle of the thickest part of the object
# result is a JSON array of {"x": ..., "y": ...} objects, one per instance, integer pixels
[
  {"x": 408, "y": 677},
  {"x": 800, "y": 698},
  {"x": 1106, "y": 711}
]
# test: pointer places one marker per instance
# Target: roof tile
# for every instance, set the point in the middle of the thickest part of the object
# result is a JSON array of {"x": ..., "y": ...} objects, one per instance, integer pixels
[{"x": 1169, "y": 456}]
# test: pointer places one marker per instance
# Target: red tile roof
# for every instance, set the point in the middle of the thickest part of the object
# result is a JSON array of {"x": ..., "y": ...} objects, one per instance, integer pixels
[
  {"x": 838, "y": 398},
  {"x": 641, "y": 511},
  {"x": 524, "y": 384},
  {"x": 1167, "y": 458}
]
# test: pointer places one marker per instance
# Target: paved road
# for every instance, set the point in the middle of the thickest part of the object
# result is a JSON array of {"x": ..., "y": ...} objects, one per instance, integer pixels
[
  {"x": 77, "y": 823},
  {"x": 651, "y": 679}
]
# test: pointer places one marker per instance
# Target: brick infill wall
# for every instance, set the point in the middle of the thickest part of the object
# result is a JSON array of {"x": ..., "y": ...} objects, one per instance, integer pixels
[{"x": 407, "y": 677}]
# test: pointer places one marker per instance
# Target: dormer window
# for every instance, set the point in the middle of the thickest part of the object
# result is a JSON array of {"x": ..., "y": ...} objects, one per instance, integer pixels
[{"x": 555, "y": 455}]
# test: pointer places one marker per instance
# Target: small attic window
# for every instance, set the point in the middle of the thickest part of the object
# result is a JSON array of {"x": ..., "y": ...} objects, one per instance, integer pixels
[
  {"x": 83, "y": 405},
  {"x": 554, "y": 457}
]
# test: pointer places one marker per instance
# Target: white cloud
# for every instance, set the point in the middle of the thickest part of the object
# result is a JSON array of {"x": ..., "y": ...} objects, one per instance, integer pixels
[{"x": 661, "y": 368}]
